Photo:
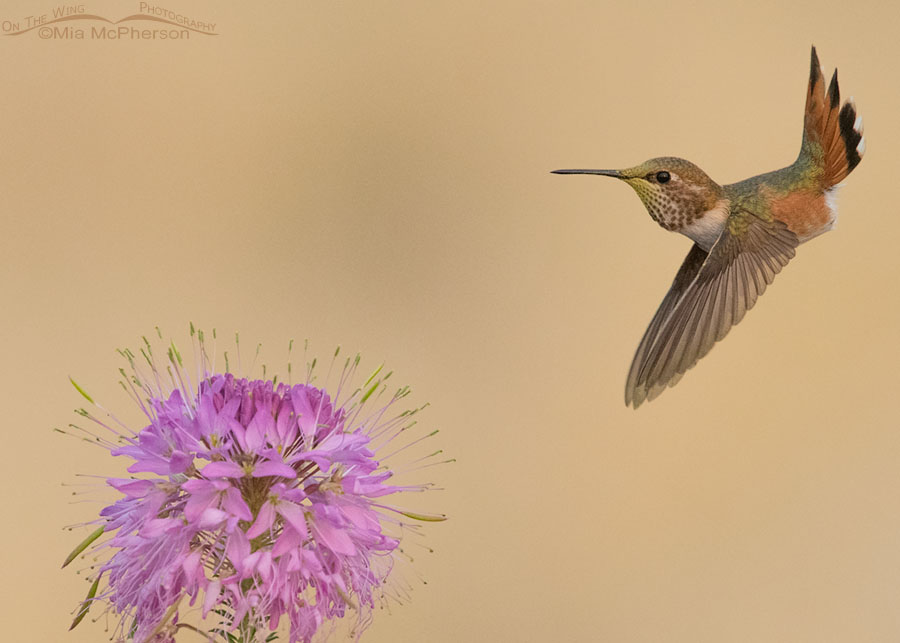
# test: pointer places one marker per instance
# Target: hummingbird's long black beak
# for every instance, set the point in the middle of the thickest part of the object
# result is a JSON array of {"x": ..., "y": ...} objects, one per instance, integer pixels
[{"x": 613, "y": 173}]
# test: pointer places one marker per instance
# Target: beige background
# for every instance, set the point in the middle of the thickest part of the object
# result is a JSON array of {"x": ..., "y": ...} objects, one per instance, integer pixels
[{"x": 375, "y": 174}]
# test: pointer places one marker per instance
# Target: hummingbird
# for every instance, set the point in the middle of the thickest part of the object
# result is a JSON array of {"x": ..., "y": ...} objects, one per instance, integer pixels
[{"x": 743, "y": 233}]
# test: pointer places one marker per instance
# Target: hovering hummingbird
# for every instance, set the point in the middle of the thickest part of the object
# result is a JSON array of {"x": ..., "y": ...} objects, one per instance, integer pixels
[{"x": 743, "y": 233}]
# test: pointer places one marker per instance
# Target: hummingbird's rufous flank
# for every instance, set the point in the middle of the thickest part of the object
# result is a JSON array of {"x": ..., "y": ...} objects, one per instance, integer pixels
[{"x": 743, "y": 233}]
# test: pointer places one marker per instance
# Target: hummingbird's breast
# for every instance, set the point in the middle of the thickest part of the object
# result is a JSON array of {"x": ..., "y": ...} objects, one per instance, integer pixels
[{"x": 706, "y": 227}]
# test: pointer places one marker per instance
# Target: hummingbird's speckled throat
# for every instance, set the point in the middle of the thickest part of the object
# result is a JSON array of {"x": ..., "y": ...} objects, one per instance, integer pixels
[
  {"x": 674, "y": 191},
  {"x": 743, "y": 233}
]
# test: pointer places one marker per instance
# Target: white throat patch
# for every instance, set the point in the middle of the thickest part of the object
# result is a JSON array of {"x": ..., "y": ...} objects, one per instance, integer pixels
[{"x": 705, "y": 229}]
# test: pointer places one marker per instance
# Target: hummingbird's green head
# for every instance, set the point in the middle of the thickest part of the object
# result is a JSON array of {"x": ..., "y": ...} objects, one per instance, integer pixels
[{"x": 674, "y": 191}]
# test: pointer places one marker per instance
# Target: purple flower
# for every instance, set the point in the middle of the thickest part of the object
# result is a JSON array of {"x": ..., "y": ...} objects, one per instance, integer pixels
[{"x": 255, "y": 501}]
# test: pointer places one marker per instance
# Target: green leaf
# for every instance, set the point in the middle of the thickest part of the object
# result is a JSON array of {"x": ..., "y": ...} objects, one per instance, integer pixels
[
  {"x": 84, "y": 544},
  {"x": 424, "y": 517},
  {"x": 374, "y": 375},
  {"x": 81, "y": 390},
  {"x": 86, "y": 603},
  {"x": 368, "y": 393}
]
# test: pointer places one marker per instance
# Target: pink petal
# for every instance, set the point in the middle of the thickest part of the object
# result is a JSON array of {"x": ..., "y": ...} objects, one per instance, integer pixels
[
  {"x": 159, "y": 526},
  {"x": 286, "y": 424},
  {"x": 372, "y": 486},
  {"x": 191, "y": 564},
  {"x": 227, "y": 413},
  {"x": 274, "y": 617},
  {"x": 240, "y": 610},
  {"x": 289, "y": 540},
  {"x": 264, "y": 520},
  {"x": 294, "y": 515},
  {"x": 264, "y": 567},
  {"x": 310, "y": 562},
  {"x": 212, "y": 596},
  {"x": 293, "y": 561},
  {"x": 235, "y": 505},
  {"x": 296, "y": 494},
  {"x": 222, "y": 469},
  {"x": 179, "y": 462},
  {"x": 196, "y": 485},
  {"x": 237, "y": 430},
  {"x": 321, "y": 460},
  {"x": 248, "y": 565},
  {"x": 257, "y": 429},
  {"x": 279, "y": 489},
  {"x": 199, "y": 502},
  {"x": 273, "y": 468},
  {"x": 304, "y": 410},
  {"x": 211, "y": 518},
  {"x": 335, "y": 539},
  {"x": 238, "y": 548},
  {"x": 206, "y": 415},
  {"x": 131, "y": 488},
  {"x": 364, "y": 519},
  {"x": 150, "y": 464}
]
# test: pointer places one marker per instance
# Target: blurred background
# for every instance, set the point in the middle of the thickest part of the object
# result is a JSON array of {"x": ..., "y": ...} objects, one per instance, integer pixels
[{"x": 376, "y": 175}]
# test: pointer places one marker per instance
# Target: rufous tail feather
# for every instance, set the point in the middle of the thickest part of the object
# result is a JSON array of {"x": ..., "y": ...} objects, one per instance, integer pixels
[{"x": 833, "y": 140}]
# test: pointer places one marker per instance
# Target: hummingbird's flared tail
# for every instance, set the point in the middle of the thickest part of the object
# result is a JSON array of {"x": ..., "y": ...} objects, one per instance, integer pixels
[{"x": 833, "y": 141}]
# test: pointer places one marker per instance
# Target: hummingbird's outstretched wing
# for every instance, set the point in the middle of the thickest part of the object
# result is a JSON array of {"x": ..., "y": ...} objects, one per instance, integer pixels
[
  {"x": 710, "y": 294},
  {"x": 686, "y": 274}
]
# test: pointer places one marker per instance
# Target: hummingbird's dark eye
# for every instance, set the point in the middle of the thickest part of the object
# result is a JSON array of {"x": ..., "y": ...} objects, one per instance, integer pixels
[{"x": 663, "y": 177}]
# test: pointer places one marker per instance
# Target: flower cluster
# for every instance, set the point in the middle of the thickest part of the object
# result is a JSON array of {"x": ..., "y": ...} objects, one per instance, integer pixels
[{"x": 254, "y": 500}]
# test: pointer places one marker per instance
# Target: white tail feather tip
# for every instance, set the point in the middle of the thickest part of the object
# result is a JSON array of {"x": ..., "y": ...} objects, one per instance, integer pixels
[
  {"x": 861, "y": 147},
  {"x": 858, "y": 125}
]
